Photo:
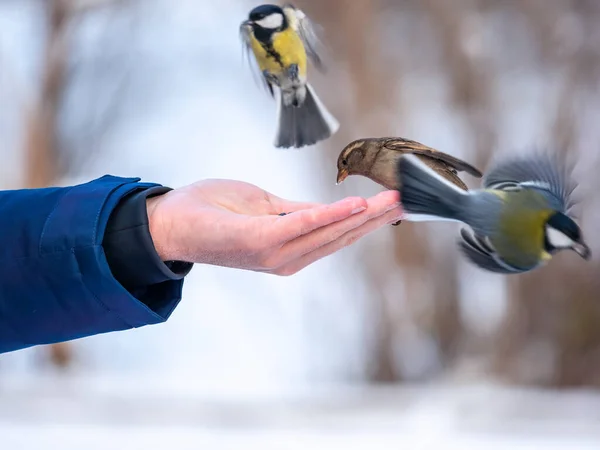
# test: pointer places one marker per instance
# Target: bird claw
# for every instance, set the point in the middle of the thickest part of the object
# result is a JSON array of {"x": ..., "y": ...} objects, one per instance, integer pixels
[
  {"x": 284, "y": 214},
  {"x": 395, "y": 224}
]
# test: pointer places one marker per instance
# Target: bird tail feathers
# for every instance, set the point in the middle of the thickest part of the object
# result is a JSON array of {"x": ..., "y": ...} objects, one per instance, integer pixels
[
  {"x": 303, "y": 125},
  {"x": 425, "y": 195}
]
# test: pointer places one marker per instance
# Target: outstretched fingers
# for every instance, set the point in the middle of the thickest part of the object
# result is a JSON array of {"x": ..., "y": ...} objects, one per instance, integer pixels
[
  {"x": 345, "y": 240},
  {"x": 376, "y": 206},
  {"x": 305, "y": 221}
]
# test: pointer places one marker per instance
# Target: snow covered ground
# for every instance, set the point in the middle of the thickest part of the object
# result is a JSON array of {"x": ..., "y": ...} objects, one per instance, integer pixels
[{"x": 97, "y": 413}]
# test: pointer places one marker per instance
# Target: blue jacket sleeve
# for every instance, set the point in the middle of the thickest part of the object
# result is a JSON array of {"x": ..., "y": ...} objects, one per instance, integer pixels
[{"x": 55, "y": 282}]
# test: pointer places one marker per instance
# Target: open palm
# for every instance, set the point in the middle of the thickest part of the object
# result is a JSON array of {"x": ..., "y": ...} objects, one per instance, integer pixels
[{"x": 236, "y": 224}]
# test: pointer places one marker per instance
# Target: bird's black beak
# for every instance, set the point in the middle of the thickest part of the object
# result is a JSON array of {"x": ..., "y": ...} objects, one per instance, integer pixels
[{"x": 582, "y": 250}]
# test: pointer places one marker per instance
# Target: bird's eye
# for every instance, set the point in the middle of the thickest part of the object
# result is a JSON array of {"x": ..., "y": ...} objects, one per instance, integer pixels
[{"x": 344, "y": 162}]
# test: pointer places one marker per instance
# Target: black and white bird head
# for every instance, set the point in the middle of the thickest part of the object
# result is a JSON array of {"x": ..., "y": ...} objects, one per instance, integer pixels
[
  {"x": 563, "y": 233},
  {"x": 268, "y": 18}
]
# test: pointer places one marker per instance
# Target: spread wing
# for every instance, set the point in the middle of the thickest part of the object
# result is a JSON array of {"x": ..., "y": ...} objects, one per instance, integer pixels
[
  {"x": 248, "y": 54},
  {"x": 481, "y": 253},
  {"x": 306, "y": 29},
  {"x": 540, "y": 171},
  {"x": 408, "y": 146}
]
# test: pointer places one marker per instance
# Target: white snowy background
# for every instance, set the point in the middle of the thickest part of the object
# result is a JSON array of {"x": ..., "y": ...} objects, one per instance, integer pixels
[{"x": 247, "y": 360}]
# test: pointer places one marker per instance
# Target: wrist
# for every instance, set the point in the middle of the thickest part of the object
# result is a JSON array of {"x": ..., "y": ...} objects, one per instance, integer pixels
[
  {"x": 161, "y": 231},
  {"x": 129, "y": 246}
]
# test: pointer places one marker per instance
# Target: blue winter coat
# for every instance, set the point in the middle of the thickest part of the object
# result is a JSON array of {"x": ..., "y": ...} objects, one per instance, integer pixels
[{"x": 55, "y": 282}]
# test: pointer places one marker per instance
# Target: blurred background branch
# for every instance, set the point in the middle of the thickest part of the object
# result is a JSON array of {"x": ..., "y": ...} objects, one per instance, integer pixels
[{"x": 45, "y": 159}]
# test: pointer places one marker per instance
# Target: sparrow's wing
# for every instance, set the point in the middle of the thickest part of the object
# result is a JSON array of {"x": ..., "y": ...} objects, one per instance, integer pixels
[
  {"x": 540, "y": 171},
  {"x": 449, "y": 174},
  {"x": 408, "y": 146},
  {"x": 481, "y": 253},
  {"x": 246, "y": 38},
  {"x": 306, "y": 29}
]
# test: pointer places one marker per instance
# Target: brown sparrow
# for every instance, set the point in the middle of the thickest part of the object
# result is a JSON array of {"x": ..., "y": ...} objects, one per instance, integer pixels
[{"x": 377, "y": 159}]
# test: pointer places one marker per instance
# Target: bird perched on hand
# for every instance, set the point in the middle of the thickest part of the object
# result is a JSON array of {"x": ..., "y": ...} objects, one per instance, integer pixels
[
  {"x": 377, "y": 159},
  {"x": 519, "y": 220},
  {"x": 282, "y": 40}
]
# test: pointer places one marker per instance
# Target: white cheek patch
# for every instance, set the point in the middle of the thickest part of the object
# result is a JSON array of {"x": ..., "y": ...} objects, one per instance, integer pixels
[
  {"x": 271, "y": 22},
  {"x": 557, "y": 238}
]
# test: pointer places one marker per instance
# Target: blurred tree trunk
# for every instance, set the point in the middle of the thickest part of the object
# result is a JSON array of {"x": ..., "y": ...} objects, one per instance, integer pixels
[
  {"x": 372, "y": 83},
  {"x": 352, "y": 30},
  {"x": 373, "y": 112},
  {"x": 556, "y": 307},
  {"x": 41, "y": 144},
  {"x": 458, "y": 27}
]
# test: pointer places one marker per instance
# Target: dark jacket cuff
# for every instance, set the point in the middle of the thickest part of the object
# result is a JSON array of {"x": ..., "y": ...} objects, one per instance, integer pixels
[{"x": 128, "y": 245}]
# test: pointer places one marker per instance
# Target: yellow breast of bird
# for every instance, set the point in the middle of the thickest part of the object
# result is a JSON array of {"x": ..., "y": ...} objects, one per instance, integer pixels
[
  {"x": 286, "y": 49},
  {"x": 523, "y": 229}
]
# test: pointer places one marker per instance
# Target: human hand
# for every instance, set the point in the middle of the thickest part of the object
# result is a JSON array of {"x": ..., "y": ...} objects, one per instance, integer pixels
[{"x": 236, "y": 224}]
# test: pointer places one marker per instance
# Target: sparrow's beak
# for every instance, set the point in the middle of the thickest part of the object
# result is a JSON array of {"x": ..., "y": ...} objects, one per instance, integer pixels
[
  {"x": 582, "y": 250},
  {"x": 341, "y": 176}
]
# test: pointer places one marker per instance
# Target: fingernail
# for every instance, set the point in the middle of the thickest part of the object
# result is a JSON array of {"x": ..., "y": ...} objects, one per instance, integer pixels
[{"x": 359, "y": 209}]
